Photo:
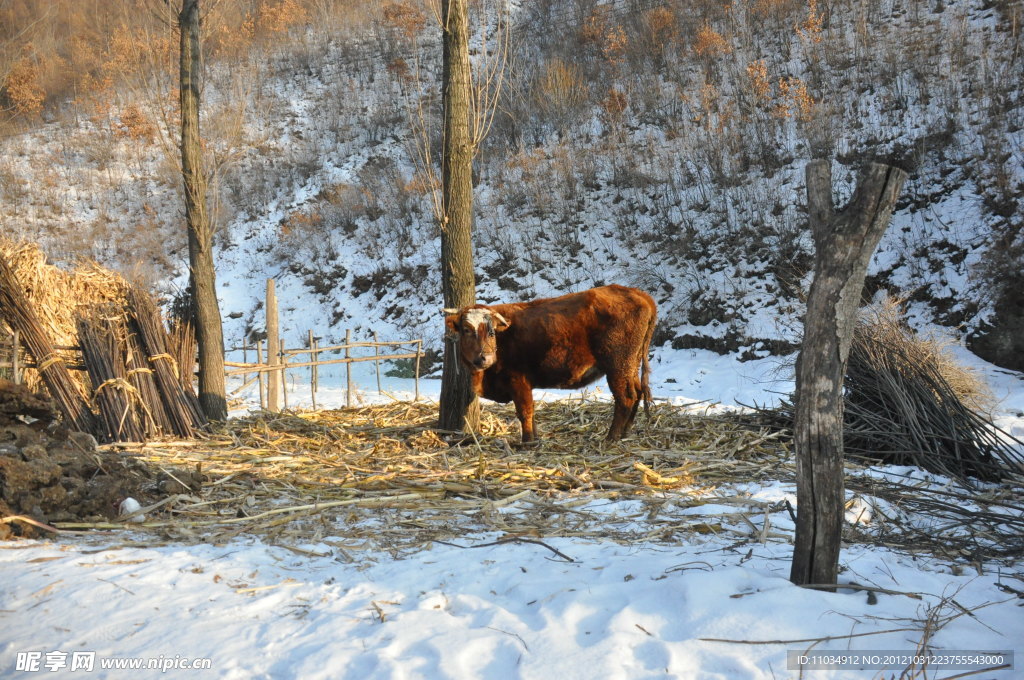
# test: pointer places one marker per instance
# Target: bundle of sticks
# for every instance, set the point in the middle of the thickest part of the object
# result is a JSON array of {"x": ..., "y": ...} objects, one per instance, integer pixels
[
  {"x": 908, "y": 402},
  {"x": 180, "y": 403},
  {"x": 137, "y": 387}
]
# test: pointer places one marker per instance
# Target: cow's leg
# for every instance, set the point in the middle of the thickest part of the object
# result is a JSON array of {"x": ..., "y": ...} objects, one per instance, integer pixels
[
  {"x": 625, "y": 389},
  {"x": 522, "y": 395},
  {"x": 632, "y": 416}
]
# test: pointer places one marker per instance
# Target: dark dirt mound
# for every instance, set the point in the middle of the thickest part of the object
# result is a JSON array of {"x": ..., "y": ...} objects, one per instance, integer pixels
[{"x": 52, "y": 475}]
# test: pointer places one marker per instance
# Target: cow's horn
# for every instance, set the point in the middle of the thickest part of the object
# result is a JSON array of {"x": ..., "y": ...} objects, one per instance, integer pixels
[
  {"x": 500, "y": 318},
  {"x": 449, "y": 310}
]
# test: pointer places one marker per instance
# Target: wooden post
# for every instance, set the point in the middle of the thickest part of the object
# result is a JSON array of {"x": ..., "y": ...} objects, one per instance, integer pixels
[
  {"x": 844, "y": 241},
  {"x": 15, "y": 367},
  {"x": 259, "y": 375},
  {"x": 284, "y": 379},
  {"x": 273, "y": 349},
  {"x": 312, "y": 369},
  {"x": 348, "y": 369},
  {"x": 376, "y": 362},
  {"x": 419, "y": 353}
]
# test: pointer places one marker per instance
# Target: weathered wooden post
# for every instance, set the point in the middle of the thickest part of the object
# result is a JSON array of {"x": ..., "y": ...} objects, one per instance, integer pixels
[
  {"x": 259, "y": 374},
  {"x": 284, "y": 378},
  {"x": 316, "y": 364},
  {"x": 312, "y": 368},
  {"x": 15, "y": 366},
  {"x": 376, "y": 362},
  {"x": 419, "y": 353},
  {"x": 844, "y": 241},
  {"x": 273, "y": 350},
  {"x": 348, "y": 368}
]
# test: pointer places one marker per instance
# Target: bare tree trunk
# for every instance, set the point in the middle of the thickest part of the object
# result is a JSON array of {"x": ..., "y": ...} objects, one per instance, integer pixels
[
  {"x": 459, "y": 408},
  {"x": 844, "y": 242},
  {"x": 203, "y": 277}
]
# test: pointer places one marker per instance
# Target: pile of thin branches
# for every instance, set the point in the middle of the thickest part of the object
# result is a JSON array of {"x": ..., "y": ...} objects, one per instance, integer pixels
[
  {"x": 908, "y": 402},
  {"x": 979, "y": 525}
]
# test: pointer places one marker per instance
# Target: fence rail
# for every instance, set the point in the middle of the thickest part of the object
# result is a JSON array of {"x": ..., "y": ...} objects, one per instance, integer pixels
[{"x": 14, "y": 357}]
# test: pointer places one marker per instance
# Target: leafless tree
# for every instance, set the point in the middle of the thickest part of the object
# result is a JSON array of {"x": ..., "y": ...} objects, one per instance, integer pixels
[{"x": 202, "y": 274}]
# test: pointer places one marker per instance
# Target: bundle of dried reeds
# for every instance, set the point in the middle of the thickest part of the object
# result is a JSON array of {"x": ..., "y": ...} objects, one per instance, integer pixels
[
  {"x": 180, "y": 402},
  {"x": 19, "y": 314},
  {"x": 908, "y": 402},
  {"x": 101, "y": 334},
  {"x": 181, "y": 341},
  {"x": 141, "y": 376}
]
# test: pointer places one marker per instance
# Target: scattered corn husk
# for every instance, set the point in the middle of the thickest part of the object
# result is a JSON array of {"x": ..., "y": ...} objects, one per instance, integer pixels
[
  {"x": 375, "y": 478},
  {"x": 271, "y": 473}
]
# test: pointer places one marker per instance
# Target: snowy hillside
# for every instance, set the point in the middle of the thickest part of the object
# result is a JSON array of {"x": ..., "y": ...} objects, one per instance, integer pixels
[{"x": 657, "y": 144}]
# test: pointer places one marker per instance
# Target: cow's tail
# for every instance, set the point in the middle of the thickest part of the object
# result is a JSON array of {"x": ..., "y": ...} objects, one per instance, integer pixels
[{"x": 645, "y": 367}]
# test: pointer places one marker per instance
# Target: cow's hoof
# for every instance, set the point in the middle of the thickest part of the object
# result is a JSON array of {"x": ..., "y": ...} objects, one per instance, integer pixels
[{"x": 532, "y": 444}]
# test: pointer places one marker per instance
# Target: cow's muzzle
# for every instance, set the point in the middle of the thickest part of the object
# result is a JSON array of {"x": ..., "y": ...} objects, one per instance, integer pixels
[{"x": 483, "y": 361}]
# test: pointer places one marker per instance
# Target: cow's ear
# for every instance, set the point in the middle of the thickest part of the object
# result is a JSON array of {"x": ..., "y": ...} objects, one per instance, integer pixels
[
  {"x": 500, "y": 322},
  {"x": 451, "y": 323}
]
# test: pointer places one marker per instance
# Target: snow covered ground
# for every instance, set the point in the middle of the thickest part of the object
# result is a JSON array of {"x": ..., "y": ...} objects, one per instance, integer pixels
[{"x": 591, "y": 606}]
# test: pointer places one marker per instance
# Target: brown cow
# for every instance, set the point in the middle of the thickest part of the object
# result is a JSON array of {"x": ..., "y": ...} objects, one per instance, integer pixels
[{"x": 567, "y": 342}]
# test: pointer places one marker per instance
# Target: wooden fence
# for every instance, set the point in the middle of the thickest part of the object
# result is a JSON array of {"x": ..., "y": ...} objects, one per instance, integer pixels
[
  {"x": 15, "y": 359},
  {"x": 264, "y": 366},
  {"x": 272, "y": 364}
]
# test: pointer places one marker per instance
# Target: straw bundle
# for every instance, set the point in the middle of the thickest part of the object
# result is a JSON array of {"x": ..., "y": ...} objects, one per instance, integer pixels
[
  {"x": 180, "y": 402},
  {"x": 102, "y": 336},
  {"x": 182, "y": 345},
  {"x": 19, "y": 314},
  {"x": 140, "y": 375}
]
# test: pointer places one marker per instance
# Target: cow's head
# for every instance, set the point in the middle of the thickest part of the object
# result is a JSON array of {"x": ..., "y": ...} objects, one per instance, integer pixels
[{"x": 476, "y": 329}]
